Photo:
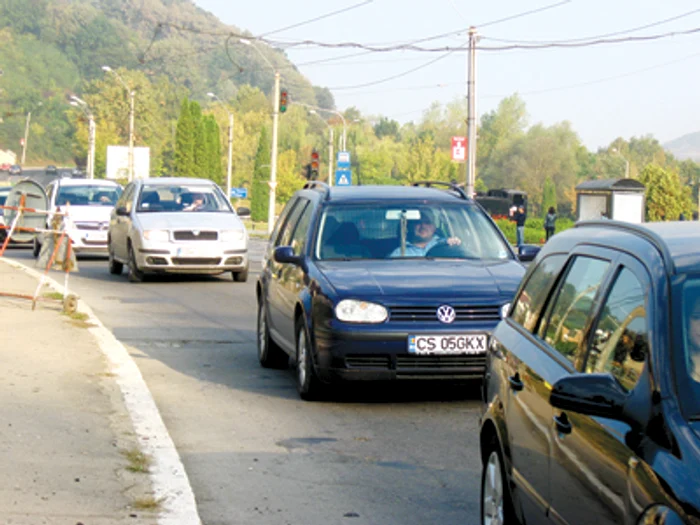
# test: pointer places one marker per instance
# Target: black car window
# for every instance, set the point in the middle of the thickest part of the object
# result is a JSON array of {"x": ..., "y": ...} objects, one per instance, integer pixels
[
  {"x": 286, "y": 233},
  {"x": 282, "y": 219},
  {"x": 620, "y": 341},
  {"x": 575, "y": 300},
  {"x": 301, "y": 232},
  {"x": 528, "y": 306}
]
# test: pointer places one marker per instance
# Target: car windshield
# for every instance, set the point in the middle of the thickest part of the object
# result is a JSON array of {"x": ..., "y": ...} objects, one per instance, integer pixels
[
  {"x": 181, "y": 198},
  {"x": 408, "y": 231},
  {"x": 88, "y": 195},
  {"x": 689, "y": 363}
]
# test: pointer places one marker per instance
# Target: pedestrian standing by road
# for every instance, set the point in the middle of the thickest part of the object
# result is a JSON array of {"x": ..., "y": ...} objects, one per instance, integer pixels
[
  {"x": 550, "y": 222},
  {"x": 519, "y": 218}
]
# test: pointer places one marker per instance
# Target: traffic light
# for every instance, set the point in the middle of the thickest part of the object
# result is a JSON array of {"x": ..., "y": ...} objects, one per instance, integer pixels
[
  {"x": 315, "y": 164},
  {"x": 284, "y": 101}
]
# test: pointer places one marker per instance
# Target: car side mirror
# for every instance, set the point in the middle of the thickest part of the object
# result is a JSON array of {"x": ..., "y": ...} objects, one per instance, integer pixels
[
  {"x": 528, "y": 252},
  {"x": 589, "y": 394},
  {"x": 121, "y": 211},
  {"x": 243, "y": 211},
  {"x": 285, "y": 254}
]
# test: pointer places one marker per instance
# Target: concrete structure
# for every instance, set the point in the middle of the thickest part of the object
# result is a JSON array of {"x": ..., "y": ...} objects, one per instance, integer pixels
[{"x": 618, "y": 199}]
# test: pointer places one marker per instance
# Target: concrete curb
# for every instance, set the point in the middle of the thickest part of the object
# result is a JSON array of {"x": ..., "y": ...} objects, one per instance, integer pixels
[{"x": 170, "y": 482}]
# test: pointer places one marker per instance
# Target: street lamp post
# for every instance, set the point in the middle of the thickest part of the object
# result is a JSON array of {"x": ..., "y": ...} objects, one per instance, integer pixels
[
  {"x": 26, "y": 137},
  {"x": 275, "y": 125},
  {"x": 75, "y": 101},
  {"x": 330, "y": 146},
  {"x": 132, "y": 94},
  {"x": 343, "y": 144},
  {"x": 230, "y": 145},
  {"x": 627, "y": 162}
]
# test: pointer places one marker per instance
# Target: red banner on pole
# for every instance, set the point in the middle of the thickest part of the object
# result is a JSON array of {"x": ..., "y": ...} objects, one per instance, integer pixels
[{"x": 459, "y": 149}]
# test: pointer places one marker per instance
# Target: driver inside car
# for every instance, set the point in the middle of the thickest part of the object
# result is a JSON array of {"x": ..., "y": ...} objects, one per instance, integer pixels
[{"x": 421, "y": 237}]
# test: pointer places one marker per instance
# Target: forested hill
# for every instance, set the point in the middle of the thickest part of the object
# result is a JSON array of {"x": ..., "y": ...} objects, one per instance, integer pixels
[
  {"x": 49, "y": 48},
  {"x": 685, "y": 147}
]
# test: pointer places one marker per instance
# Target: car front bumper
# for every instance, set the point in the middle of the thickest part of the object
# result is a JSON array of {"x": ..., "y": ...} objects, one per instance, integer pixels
[
  {"x": 381, "y": 352},
  {"x": 203, "y": 258}
]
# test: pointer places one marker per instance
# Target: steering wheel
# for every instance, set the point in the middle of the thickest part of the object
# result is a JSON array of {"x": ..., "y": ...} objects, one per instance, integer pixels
[{"x": 445, "y": 250}]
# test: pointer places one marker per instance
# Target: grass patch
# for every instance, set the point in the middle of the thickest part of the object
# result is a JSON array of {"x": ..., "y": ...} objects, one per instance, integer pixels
[
  {"x": 148, "y": 503},
  {"x": 58, "y": 296},
  {"x": 138, "y": 461},
  {"x": 79, "y": 316}
]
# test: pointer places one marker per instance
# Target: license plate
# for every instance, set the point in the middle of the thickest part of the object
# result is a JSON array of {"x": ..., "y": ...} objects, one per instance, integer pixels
[
  {"x": 447, "y": 344},
  {"x": 96, "y": 236},
  {"x": 187, "y": 250}
]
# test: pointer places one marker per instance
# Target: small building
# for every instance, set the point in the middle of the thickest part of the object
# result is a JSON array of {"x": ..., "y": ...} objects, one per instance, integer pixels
[{"x": 617, "y": 199}]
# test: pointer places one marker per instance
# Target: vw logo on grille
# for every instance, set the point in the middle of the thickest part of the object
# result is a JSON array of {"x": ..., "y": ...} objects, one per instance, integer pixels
[
  {"x": 446, "y": 314},
  {"x": 195, "y": 233}
]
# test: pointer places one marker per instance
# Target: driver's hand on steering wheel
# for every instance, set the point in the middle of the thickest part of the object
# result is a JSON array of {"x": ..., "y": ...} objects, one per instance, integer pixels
[{"x": 454, "y": 241}]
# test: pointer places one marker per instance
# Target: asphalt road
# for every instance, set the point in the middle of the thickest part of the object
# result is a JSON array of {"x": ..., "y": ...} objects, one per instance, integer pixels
[{"x": 399, "y": 454}]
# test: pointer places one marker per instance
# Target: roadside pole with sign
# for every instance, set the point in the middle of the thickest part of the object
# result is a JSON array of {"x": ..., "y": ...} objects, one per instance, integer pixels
[
  {"x": 459, "y": 149},
  {"x": 343, "y": 173}
]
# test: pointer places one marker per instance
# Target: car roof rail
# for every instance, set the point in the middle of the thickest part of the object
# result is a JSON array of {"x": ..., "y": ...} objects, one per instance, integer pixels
[
  {"x": 451, "y": 186},
  {"x": 653, "y": 237},
  {"x": 318, "y": 185}
]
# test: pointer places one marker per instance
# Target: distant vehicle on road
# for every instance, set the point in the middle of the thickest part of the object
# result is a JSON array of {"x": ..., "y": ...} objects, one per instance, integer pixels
[
  {"x": 77, "y": 173},
  {"x": 88, "y": 204},
  {"x": 4, "y": 192},
  {"x": 176, "y": 225},
  {"x": 15, "y": 169},
  {"x": 5, "y": 166},
  {"x": 51, "y": 170}
]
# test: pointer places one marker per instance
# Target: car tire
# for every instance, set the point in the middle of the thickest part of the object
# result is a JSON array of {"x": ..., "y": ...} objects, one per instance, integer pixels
[
  {"x": 242, "y": 276},
  {"x": 36, "y": 248},
  {"x": 270, "y": 354},
  {"x": 135, "y": 273},
  {"x": 496, "y": 499},
  {"x": 115, "y": 267},
  {"x": 308, "y": 384}
]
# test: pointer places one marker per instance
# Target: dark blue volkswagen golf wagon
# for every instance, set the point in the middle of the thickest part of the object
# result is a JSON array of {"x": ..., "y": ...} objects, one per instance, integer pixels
[{"x": 382, "y": 283}]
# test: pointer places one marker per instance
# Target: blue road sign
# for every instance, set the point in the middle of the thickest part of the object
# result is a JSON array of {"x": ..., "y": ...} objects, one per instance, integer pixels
[
  {"x": 343, "y": 178},
  {"x": 239, "y": 193},
  {"x": 343, "y": 161}
]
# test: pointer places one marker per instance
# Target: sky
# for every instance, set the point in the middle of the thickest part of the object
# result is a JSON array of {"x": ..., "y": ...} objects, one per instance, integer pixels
[{"x": 627, "y": 89}]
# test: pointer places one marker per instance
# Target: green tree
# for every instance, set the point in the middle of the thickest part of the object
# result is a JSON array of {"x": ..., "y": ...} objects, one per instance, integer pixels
[
  {"x": 201, "y": 158},
  {"x": 260, "y": 204},
  {"x": 386, "y": 128},
  {"x": 289, "y": 176},
  {"x": 666, "y": 198},
  {"x": 185, "y": 142},
  {"x": 549, "y": 196}
]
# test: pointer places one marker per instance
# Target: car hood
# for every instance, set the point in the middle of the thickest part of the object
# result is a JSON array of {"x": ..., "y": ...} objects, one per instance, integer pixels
[
  {"x": 480, "y": 282},
  {"x": 87, "y": 213},
  {"x": 190, "y": 220}
]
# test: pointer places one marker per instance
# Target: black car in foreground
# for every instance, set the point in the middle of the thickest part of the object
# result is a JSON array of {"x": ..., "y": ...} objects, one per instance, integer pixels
[
  {"x": 592, "y": 389},
  {"x": 382, "y": 283}
]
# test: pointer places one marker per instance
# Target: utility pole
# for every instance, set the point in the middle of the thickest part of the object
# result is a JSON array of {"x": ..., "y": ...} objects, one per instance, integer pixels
[
  {"x": 330, "y": 156},
  {"x": 132, "y": 93},
  {"x": 273, "y": 157},
  {"x": 91, "y": 146},
  {"x": 26, "y": 137},
  {"x": 471, "y": 117},
  {"x": 229, "y": 167}
]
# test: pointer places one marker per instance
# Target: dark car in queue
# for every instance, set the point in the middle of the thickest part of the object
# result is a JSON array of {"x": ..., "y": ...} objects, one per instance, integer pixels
[
  {"x": 592, "y": 389},
  {"x": 348, "y": 293}
]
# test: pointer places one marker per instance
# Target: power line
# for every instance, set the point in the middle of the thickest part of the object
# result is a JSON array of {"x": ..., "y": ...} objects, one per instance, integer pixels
[
  {"x": 316, "y": 19},
  {"x": 526, "y": 13},
  {"x": 616, "y": 33}
]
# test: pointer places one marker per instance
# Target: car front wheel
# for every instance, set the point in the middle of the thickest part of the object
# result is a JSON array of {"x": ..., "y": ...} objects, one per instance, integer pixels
[
  {"x": 135, "y": 273},
  {"x": 36, "y": 248},
  {"x": 308, "y": 384},
  {"x": 496, "y": 503},
  {"x": 270, "y": 354}
]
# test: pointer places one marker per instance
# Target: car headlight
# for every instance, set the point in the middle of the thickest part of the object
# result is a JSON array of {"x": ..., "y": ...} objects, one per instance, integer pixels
[
  {"x": 353, "y": 311},
  {"x": 156, "y": 235},
  {"x": 231, "y": 235},
  {"x": 505, "y": 310}
]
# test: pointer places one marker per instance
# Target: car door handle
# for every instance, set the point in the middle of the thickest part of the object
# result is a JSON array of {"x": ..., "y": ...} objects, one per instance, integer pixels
[
  {"x": 562, "y": 423},
  {"x": 515, "y": 382}
]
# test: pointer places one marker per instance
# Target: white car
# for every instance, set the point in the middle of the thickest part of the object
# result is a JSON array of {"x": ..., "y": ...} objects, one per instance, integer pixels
[
  {"x": 176, "y": 225},
  {"x": 88, "y": 204}
]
